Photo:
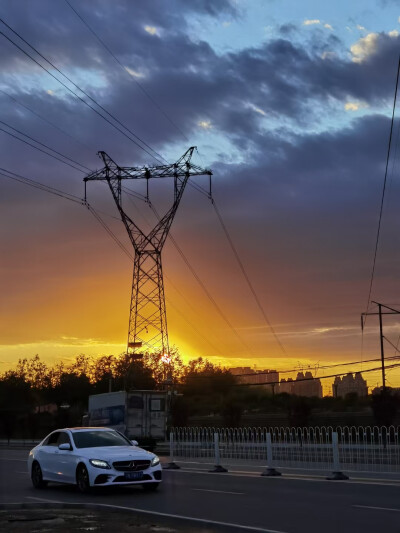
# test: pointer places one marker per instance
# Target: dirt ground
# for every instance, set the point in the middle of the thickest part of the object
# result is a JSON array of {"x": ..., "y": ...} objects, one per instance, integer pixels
[{"x": 73, "y": 520}]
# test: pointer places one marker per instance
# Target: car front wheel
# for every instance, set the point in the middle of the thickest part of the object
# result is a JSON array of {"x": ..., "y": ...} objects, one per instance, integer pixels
[
  {"x": 82, "y": 479},
  {"x": 150, "y": 487},
  {"x": 37, "y": 476}
]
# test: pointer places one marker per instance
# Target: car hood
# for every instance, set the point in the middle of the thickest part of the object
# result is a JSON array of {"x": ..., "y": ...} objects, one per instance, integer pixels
[{"x": 115, "y": 452}]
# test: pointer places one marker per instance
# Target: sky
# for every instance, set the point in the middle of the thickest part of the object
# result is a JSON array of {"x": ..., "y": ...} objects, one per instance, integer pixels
[{"x": 288, "y": 102}]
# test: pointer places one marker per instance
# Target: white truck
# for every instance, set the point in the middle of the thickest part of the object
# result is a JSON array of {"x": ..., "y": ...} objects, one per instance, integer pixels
[{"x": 140, "y": 415}]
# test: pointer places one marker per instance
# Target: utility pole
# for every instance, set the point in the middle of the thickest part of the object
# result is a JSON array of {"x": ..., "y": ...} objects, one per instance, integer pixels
[
  {"x": 390, "y": 311},
  {"x": 148, "y": 317},
  {"x": 382, "y": 348}
]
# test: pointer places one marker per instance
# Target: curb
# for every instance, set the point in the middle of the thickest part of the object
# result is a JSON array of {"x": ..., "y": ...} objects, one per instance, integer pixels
[{"x": 165, "y": 518}]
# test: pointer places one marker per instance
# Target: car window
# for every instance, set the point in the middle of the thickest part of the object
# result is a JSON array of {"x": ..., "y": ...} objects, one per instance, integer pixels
[
  {"x": 52, "y": 439},
  {"x": 95, "y": 439},
  {"x": 63, "y": 438}
]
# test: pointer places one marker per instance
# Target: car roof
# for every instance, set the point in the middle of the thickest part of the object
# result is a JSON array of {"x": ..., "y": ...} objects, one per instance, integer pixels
[{"x": 81, "y": 429}]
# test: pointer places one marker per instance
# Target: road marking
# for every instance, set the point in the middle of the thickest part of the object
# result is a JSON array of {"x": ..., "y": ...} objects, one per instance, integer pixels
[
  {"x": 182, "y": 517},
  {"x": 377, "y": 508},
  {"x": 42, "y": 499},
  {"x": 10, "y": 459},
  {"x": 219, "y": 491},
  {"x": 295, "y": 477}
]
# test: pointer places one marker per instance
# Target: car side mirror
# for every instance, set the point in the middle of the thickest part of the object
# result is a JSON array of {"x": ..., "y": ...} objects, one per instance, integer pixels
[
  {"x": 65, "y": 446},
  {"x": 135, "y": 442}
]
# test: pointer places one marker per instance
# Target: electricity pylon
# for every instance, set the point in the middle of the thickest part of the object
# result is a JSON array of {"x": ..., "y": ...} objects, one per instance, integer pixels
[{"x": 148, "y": 318}]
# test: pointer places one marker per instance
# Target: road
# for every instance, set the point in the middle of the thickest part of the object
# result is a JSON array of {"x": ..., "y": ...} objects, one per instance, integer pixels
[{"x": 286, "y": 504}]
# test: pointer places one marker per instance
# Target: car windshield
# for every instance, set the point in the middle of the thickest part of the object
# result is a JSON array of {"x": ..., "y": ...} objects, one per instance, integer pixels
[{"x": 94, "y": 439}]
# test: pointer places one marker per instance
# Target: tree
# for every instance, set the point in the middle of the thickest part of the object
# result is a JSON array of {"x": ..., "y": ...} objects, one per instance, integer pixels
[
  {"x": 231, "y": 413},
  {"x": 299, "y": 411},
  {"x": 179, "y": 411},
  {"x": 162, "y": 370},
  {"x": 131, "y": 374},
  {"x": 15, "y": 401},
  {"x": 385, "y": 405}
]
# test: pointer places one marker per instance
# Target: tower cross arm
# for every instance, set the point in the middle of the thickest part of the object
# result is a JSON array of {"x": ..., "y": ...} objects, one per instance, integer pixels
[{"x": 181, "y": 168}]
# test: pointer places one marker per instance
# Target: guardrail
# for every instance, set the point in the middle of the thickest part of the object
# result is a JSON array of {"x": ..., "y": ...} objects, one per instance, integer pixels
[
  {"x": 369, "y": 449},
  {"x": 18, "y": 443}
]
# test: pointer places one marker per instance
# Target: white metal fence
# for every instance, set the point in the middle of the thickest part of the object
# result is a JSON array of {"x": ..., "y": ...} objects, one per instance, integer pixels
[{"x": 370, "y": 449}]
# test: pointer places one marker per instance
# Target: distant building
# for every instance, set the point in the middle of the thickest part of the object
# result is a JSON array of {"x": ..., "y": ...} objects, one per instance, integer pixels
[
  {"x": 247, "y": 375},
  {"x": 348, "y": 384},
  {"x": 303, "y": 385},
  {"x": 286, "y": 386}
]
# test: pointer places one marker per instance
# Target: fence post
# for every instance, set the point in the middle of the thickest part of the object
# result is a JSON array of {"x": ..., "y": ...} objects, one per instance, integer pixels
[
  {"x": 218, "y": 467},
  {"x": 270, "y": 470},
  {"x": 337, "y": 474},
  {"x": 171, "y": 465}
]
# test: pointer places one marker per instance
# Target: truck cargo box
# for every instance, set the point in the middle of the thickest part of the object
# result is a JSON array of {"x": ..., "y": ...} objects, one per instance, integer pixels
[{"x": 138, "y": 414}]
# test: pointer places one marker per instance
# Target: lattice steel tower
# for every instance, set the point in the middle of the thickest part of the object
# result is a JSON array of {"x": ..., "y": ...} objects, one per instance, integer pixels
[{"x": 148, "y": 317}]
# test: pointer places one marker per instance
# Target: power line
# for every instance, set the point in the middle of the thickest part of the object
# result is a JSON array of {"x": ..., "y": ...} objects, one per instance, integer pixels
[
  {"x": 67, "y": 196},
  {"x": 76, "y": 95},
  {"x": 246, "y": 277},
  {"x": 95, "y": 213},
  {"x": 80, "y": 89},
  {"x": 46, "y": 120},
  {"x": 290, "y": 371},
  {"x": 109, "y": 231},
  {"x": 205, "y": 290},
  {"x": 152, "y": 100},
  {"x": 313, "y": 378},
  {"x": 40, "y": 150},
  {"x": 37, "y": 185},
  {"x": 45, "y": 146},
  {"x": 383, "y": 192},
  {"x": 392, "y": 345}
]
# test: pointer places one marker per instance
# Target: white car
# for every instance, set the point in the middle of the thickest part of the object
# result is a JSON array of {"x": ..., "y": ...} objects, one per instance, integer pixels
[{"x": 92, "y": 457}]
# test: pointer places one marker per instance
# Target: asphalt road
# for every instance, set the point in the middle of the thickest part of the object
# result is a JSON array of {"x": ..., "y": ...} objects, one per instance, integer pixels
[{"x": 286, "y": 504}]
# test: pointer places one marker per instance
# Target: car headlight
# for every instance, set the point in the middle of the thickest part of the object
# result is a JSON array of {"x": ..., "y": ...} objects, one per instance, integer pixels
[
  {"x": 155, "y": 461},
  {"x": 99, "y": 463}
]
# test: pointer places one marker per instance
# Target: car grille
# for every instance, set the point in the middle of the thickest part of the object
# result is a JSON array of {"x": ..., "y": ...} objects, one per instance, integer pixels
[{"x": 131, "y": 466}]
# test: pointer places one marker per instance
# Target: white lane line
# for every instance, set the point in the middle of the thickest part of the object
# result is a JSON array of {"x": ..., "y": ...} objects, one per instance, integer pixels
[
  {"x": 295, "y": 477},
  {"x": 199, "y": 520},
  {"x": 219, "y": 491},
  {"x": 11, "y": 459},
  {"x": 377, "y": 508},
  {"x": 42, "y": 499}
]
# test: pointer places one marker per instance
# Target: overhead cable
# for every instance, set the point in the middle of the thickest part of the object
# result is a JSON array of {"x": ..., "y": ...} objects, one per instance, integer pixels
[
  {"x": 205, "y": 290},
  {"x": 141, "y": 87},
  {"x": 37, "y": 185},
  {"x": 40, "y": 150},
  {"x": 76, "y": 95},
  {"x": 246, "y": 277},
  {"x": 95, "y": 213},
  {"x": 396, "y": 365},
  {"x": 383, "y": 194},
  {"x": 46, "y": 146},
  {"x": 46, "y": 120}
]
